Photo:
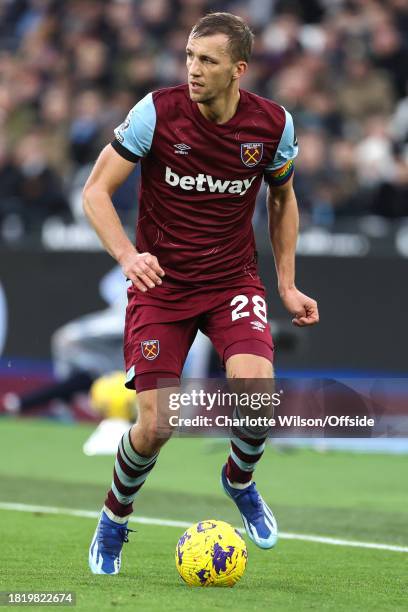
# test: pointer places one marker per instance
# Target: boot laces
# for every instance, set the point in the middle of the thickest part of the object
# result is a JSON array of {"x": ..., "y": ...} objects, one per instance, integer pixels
[{"x": 113, "y": 538}]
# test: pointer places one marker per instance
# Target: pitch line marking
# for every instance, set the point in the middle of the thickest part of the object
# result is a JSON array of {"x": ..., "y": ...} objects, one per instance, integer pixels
[{"x": 145, "y": 520}]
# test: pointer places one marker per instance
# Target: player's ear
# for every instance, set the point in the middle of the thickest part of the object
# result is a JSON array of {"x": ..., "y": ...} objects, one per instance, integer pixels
[{"x": 240, "y": 69}]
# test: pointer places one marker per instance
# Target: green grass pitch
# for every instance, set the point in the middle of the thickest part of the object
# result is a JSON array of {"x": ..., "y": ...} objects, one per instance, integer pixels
[{"x": 344, "y": 495}]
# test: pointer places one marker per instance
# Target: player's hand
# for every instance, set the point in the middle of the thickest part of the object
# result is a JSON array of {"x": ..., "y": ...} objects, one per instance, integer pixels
[
  {"x": 142, "y": 269},
  {"x": 303, "y": 307}
]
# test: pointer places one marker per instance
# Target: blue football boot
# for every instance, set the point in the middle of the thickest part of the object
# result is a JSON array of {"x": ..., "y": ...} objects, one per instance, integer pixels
[
  {"x": 258, "y": 519},
  {"x": 106, "y": 546}
]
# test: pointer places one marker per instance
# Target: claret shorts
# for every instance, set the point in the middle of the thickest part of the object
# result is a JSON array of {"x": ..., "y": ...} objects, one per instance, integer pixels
[{"x": 162, "y": 323}]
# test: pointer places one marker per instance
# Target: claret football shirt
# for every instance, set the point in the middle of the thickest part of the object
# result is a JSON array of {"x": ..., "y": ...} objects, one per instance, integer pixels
[{"x": 200, "y": 180}]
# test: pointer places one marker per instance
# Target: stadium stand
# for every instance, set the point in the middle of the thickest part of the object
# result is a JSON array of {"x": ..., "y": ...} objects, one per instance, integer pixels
[{"x": 69, "y": 72}]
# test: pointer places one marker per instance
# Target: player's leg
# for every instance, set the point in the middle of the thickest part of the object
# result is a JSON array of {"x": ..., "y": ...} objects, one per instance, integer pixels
[
  {"x": 247, "y": 446},
  {"x": 239, "y": 330},
  {"x": 136, "y": 457},
  {"x": 153, "y": 351}
]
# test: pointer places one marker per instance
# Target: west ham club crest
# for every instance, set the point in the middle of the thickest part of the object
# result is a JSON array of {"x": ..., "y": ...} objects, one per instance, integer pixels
[
  {"x": 150, "y": 349},
  {"x": 251, "y": 153}
]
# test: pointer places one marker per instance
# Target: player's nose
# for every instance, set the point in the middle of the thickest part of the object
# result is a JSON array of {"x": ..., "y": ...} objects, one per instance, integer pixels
[{"x": 194, "y": 68}]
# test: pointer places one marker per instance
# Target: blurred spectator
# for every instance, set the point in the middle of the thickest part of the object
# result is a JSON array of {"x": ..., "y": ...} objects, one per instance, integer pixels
[
  {"x": 399, "y": 123},
  {"x": 85, "y": 127},
  {"x": 343, "y": 161},
  {"x": 364, "y": 91},
  {"x": 70, "y": 71},
  {"x": 375, "y": 152},
  {"x": 39, "y": 193},
  {"x": 314, "y": 186},
  {"x": 390, "y": 53}
]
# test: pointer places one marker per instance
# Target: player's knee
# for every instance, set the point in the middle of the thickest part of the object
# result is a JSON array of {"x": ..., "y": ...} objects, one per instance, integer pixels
[
  {"x": 152, "y": 430},
  {"x": 253, "y": 378},
  {"x": 262, "y": 369}
]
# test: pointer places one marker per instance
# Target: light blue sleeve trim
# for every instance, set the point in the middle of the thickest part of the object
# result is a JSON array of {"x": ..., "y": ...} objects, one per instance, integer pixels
[
  {"x": 288, "y": 146},
  {"x": 136, "y": 132}
]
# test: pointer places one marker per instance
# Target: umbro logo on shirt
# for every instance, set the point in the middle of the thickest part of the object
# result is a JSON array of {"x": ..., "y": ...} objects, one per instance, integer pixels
[{"x": 181, "y": 148}]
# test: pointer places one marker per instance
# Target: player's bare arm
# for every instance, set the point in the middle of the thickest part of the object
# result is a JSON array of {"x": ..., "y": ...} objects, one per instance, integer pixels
[
  {"x": 110, "y": 171},
  {"x": 283, "y": 230}
]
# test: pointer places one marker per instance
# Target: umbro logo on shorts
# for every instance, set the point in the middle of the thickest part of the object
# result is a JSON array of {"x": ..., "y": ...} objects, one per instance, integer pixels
[
  {"x": 258, "y": 325},
  {"x": 150, "y": 349},
  {"x": 206, "y": 182}
]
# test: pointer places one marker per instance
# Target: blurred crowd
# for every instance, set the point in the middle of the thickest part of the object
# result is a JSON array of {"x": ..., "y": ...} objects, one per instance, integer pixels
[{"x": 70, "y": 70}]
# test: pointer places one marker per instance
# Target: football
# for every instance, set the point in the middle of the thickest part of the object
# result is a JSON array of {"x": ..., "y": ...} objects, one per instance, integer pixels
[{"x": 211, "y": 553}]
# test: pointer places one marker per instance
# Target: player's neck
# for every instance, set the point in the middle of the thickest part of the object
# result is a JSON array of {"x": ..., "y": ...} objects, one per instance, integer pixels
[{"x": 221, "y": 110}]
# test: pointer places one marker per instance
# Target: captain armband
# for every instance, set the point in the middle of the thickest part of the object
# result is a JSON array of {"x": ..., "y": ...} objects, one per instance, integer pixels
[{"x": 281, "y": 175}]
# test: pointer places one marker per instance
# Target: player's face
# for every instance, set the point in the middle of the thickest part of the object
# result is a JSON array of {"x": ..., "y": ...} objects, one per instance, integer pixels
[{"x": 210, "y": 68}]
